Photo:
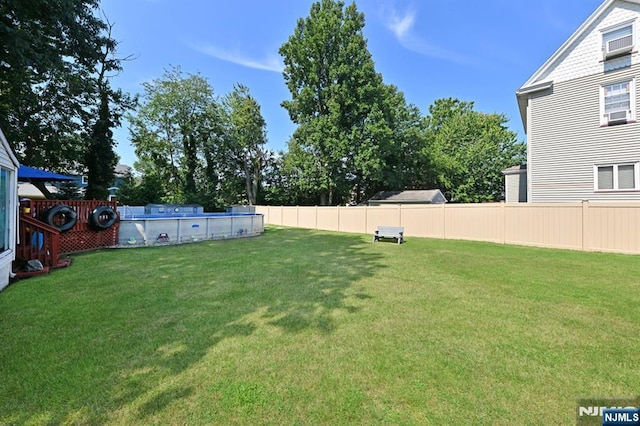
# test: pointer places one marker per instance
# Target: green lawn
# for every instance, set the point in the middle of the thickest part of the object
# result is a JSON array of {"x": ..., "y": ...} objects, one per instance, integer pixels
[{"x": 308, "y": 327}]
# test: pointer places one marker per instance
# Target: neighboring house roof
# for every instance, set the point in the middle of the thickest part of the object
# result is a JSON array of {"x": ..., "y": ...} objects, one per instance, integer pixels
[
  {"x": 431, "y": 196},
  {"x": 29, "y": 190},
  {"x": 122, "y": 170},
  {"x": 536, "y": 82},
  {"x": 515, "y": 170}
]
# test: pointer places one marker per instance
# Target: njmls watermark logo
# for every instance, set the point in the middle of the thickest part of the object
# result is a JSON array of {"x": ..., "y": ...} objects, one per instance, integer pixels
[
  {"x": 621, "y": 416},
  {"x": 608, "y": 412}
]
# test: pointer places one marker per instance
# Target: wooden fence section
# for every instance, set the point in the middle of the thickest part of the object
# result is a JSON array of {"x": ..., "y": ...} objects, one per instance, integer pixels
[
  {"x": 609, "y": 227},
  {"x": 81, "y": 236}
]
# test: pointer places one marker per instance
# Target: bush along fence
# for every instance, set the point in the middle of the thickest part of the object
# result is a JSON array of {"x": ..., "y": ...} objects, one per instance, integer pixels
[{"x": 608, "y": 227}]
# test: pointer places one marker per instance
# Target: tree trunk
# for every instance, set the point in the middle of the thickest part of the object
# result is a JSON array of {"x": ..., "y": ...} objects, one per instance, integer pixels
[
  {"x": 249, "y": 177},
  {"x": 191, "y": 156},
  {"x": 323, "y": 198}
]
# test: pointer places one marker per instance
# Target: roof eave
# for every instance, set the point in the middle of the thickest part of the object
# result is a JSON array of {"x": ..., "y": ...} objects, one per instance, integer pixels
[
  {"x": 403, "y": 201},
  {"x": 576, "y": 34},
  {"x": 509, "y": 172},
  {"x": 523, "y": 98}
]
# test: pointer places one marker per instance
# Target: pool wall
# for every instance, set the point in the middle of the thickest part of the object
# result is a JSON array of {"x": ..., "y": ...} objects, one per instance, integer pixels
[{"x": 149, "y": 230}]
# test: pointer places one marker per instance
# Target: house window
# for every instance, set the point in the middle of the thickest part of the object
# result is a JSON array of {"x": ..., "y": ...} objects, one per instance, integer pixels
[
  {"x": 4, "y": 209},
  {"x": 617, "y": 103},
  {"x": 618, "y": 40},
  {"x": 617, "y": 177}
]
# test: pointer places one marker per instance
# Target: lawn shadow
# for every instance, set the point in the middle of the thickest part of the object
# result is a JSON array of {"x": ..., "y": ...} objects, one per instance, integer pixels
[
  {"x": 308, "y": 287},
  {"x": 161, "y": 400},
  {"x": 136, "y": 331}
]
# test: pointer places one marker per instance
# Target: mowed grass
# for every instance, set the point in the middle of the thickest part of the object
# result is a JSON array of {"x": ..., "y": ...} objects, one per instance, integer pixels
[{"x": 308, "y": 327}]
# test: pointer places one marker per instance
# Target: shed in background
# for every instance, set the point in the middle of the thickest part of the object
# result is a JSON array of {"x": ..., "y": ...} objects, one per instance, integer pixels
[
  {"x": 515, "y": 184},
  {"x": 430, "y": 196}
]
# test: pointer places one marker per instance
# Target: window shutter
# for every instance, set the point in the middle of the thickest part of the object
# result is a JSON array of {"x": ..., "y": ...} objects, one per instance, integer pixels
[
  {"x": 626, "y": 177},
  {"x": 605, "y": 177}
]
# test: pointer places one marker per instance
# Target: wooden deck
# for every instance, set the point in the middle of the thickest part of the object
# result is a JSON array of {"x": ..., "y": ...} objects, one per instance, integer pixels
[{"x": 39, "y": 240}]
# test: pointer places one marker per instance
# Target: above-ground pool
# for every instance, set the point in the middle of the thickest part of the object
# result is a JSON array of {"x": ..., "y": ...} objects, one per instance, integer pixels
[{"x": 139, "y": 229}]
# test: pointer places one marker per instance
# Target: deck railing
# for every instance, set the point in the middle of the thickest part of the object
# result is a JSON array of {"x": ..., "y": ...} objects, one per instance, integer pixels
[{"x": 37, "y": 240}]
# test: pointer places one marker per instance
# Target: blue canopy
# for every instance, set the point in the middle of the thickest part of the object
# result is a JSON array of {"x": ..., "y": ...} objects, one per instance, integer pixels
[{"x": 29, "y": 174}]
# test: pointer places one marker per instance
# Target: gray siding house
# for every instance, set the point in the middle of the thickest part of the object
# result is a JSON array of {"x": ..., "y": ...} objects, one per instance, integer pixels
[
  {"x": 515, "y": 188},
  {"x": 580, "y": 112}
]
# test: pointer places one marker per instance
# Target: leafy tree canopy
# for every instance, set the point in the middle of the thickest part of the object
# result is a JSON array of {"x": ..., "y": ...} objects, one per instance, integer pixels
[
  {"x": 48, "y": 53},
  {"x": 468, "y": 151}
]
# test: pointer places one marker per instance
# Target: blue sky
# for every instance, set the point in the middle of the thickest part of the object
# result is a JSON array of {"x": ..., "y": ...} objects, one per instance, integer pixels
[{"x": 480, "y": 51}]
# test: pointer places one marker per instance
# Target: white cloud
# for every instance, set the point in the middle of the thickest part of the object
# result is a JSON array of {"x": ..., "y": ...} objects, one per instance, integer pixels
[
  {"x": 269, "y": 63},
  {"x": 401, "y": 25}
]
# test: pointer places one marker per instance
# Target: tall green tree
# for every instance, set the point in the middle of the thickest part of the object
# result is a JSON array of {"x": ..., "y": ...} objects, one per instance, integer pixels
[
  {"x": 339, "y": 102},
  {"x": 48, "y": 54},
  {"x": 246, "y": 139},
  {"x": 100, "y": 157},
  {"x": 468, "y": 151}
]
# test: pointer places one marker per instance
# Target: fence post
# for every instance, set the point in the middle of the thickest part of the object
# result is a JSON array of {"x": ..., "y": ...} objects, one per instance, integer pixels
[
  {"x": 585, "y": 214},
  {"x": 503, "y": 220},
  {"x": 444, "y": 221},
  {"x": 366, "y": 215}
]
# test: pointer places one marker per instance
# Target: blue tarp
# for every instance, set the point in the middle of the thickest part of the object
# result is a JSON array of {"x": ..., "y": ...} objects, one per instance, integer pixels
[{"x": 29, "y": 174}]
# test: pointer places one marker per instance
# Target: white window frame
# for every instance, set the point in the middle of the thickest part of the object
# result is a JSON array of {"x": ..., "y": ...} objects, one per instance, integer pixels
[
  {"x": 604, "y": 120},
  {"x": 636, "y": 177},
  {"x": 5, "y": 205},
  {"x": 624, "y": 51}
]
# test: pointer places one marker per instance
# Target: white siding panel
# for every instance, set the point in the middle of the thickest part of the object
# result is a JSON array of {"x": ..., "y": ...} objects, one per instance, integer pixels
[
  {"x": 5, "y": 159},
  {"x": 512, "y": 185},
  {"x": 585, "y": 57},
  {"x": 9, "y": 162},
  {"x": 566, "y": 140},
  {"x": 516, "y": 187}
]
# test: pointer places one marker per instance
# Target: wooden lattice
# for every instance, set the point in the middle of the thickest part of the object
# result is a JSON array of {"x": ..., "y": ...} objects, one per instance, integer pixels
[{"x": 82, "y": 236}]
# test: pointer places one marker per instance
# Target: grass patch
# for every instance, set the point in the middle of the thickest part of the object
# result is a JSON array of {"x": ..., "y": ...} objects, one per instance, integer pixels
[{"x": 310, "y": 327}]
